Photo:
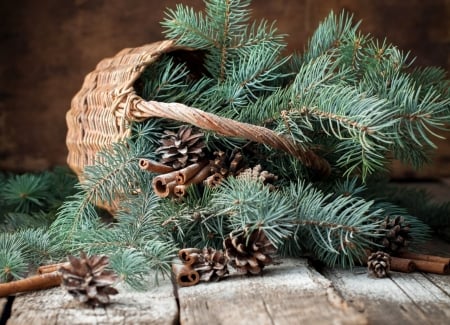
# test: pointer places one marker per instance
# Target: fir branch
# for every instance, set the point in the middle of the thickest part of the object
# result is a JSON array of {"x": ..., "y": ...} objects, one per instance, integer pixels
[
  {"x": 131, "y": 266},
  {"x": 38, "y": 246},
  {"x": 77, "y": 213},
  {"x": 13, "y": 258},
  {"x": 258, "y": 70},
  {"x": 255, "y": 35},
  {"x": 26, "y": 193},
  {"x": 134, "y": 236},
  {"x": 194, "y": 222},
  {"x": 341, "y": 229},
  {"x": 329, "y": 34},
  {"x": 361, "y": 123},
  {"x": 13, "y": 221},
  {"x": 250, "y": 204},
  {"x": 189, "y": 28},
  {"x": 164, "y": 81}
]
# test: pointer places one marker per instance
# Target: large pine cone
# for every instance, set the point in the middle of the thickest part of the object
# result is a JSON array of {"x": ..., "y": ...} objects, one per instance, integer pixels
[
  {"x": 182, "y": 148},
  {"x": 86, "y": 279},
  {"x": 397, "y": 234},
  {"x": 249, "y": 253},
  {"x": 379, "y": 264}
]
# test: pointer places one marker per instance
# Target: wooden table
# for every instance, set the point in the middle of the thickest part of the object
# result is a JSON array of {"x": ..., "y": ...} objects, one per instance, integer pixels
[{"x": 290, "y": 293}]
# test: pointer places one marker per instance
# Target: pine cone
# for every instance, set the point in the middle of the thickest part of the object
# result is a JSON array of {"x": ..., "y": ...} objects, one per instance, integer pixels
[
  {"x": 224, "y": 165},
  {"x": 211, "y": 264},
  {"x": 249, "y": 253},
  {"x": 182, "y": 148},
  {"x": 86, "y": 279},
  {"x": 379, "y": 264},
  {"x": 256, "y": 173},
  {"x": 397, "y": 234}
]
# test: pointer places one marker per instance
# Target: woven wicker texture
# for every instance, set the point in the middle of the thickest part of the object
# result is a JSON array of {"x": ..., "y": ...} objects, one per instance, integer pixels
[
  {"x": 94, "y": 121},
  {"x": 107, "y": 102}
]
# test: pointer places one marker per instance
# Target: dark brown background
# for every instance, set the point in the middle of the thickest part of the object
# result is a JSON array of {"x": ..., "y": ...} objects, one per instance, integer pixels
[{"x": 47, "y": 47}]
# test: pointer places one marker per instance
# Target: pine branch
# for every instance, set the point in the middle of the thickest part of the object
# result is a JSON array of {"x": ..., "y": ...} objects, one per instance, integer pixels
[
  {"x": 342, "y": 229},
  {"x": 194, "y": 222},
  {"x": 77, "y": 213},
  {"x": 26, "y": 193},
  {"x": 329, "y": 35},
  {"x": 13, "y": 258},
  {"x": 361, "y": 124},
  {"x": 164, "y": 80},
  {"x": 189, "y": 28},
  {"x": 250, "y": 204},
  {"x": 383, "y": 195}
]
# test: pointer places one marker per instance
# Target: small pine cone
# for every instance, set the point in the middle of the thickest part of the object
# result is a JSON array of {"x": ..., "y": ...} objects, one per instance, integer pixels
[
  {"x": 211, "y": 264},
  {"x": 379, "y": 264},
  {"x": 223, "y": 165},
  {"x": 226, "y": 165},
  {"x": 86, "y": 279},
  {"x": 249, "y": 253},
  {"x": 182, "y": 148},
  {"x": 256, "y": 173},
  {"x": 397, "y": 234}
]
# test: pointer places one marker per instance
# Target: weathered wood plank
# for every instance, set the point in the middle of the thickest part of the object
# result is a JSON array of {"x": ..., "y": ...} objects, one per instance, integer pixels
[
  {"x": 401, "y": 298},
  {"x": 290, "y": 293},
  {"x": 429, "y": 298},
  {"x": 55, "y": 306}
]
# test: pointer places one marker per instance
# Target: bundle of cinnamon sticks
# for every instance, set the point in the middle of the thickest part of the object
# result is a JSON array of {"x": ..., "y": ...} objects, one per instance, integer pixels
[
  {"x": 184, "y": 274},
  {"x": 175, "y": 182},
  {"x": 47, "y": 277},
  {"x": 409, "y": 262}
]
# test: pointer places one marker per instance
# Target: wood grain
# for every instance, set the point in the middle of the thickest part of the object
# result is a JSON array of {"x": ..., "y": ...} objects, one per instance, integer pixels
[
  {"x": 55, "y": 306},
  {"x": 290, "y": 293},
  {"x": 412, "y": 298}
]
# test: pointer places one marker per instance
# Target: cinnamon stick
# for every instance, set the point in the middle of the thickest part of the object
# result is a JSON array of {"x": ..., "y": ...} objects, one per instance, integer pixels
[
  {"x": 423, "y": 257},
  {"x": 200, "y": 176},
  {"x": 163, "y": 184},
  {"x": 50, "y": 268},
  {"x": 432, "y": 267},
  {"x": 153, "y": 166},
  {"x": 188, "y": 255},
  {"x": 188, "y": 172},
  {"x": 35, "y": 282},
  {"x": 180, "y": 190},
  {"x": 402, "y": 264},
  {"x": 184, "y": 275}
]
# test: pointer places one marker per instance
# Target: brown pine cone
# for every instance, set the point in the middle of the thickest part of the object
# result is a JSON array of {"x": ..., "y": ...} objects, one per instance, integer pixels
[
  {"x": 211, "y": 264},
  {"x": 249, "y": 253},
  {"x": 86, "y": 279},
  {"x": 397, "y": 234},
  {"x": 226, "y": 164},
  {"x": 181, "y": 148},
  {"x": 379, "y": 264},
  {"x": 222, "y": 166}
]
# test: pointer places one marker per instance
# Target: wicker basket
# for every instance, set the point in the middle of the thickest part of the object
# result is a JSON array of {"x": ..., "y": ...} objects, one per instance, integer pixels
[
  {"x": 95, "y": 120},
  {"x": 101, "y": 111}
]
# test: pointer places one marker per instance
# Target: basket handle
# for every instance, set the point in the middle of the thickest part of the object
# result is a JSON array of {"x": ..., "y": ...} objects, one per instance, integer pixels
[{"x": 142, "y": 110}]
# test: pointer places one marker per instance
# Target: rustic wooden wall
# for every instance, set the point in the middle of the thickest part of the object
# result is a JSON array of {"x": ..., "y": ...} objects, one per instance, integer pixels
[{"x": 47, "y": 47}]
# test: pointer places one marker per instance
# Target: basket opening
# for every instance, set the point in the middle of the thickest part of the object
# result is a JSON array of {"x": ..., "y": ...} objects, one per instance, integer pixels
[{"x": 193, "y": 61}]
